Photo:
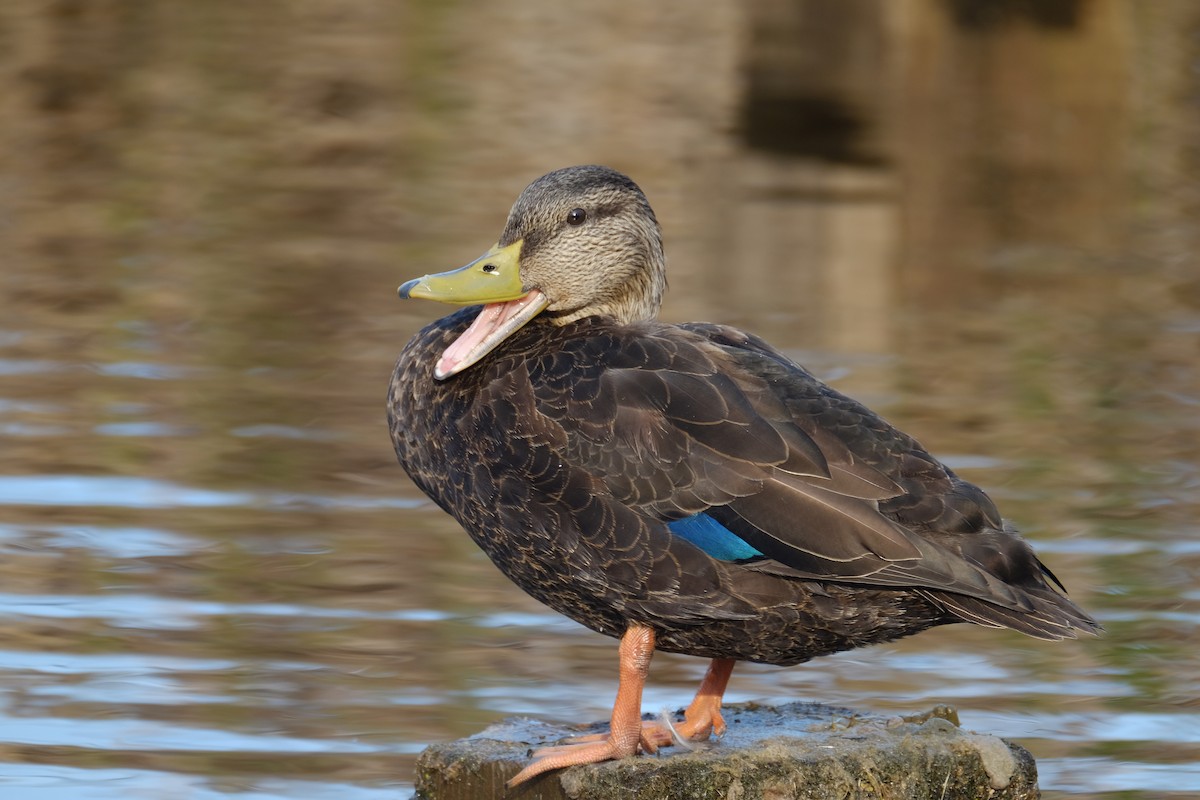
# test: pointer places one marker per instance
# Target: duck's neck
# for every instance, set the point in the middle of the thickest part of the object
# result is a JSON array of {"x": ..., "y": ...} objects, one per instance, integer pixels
[{"x": 637, "y": 299}]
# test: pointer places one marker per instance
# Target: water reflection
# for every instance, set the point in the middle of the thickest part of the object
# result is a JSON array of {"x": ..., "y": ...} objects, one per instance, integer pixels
[
  {"x": 130, "y": 492},
  {"x": 42, "y": 782},
  {"x": 980, "y": 218}
]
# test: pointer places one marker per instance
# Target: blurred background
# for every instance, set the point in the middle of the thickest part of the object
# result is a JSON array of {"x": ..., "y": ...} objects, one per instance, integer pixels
[{"x": 981, "y": 217}]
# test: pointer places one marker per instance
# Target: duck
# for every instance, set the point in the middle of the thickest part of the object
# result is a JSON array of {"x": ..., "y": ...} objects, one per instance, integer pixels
[{"x": 681, "y": 487}]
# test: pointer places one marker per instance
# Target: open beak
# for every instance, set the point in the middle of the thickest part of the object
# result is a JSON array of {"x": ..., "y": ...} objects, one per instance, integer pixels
[{"x": 493, "y": 279}]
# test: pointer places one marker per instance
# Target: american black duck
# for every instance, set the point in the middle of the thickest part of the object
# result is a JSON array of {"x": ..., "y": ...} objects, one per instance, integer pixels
[{"x": 682, "y": 487}]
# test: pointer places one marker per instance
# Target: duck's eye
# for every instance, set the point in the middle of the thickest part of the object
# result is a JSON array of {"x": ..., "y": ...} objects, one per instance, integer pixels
[{"x": 576, "y": 216}]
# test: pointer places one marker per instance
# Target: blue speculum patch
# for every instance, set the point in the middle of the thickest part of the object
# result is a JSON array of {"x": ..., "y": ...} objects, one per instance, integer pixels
[{"x": 713, "y": 538}]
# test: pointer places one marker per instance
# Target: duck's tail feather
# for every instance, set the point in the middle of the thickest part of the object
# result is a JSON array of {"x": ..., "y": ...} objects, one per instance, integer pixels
[{"x": 1052, "y": 616}]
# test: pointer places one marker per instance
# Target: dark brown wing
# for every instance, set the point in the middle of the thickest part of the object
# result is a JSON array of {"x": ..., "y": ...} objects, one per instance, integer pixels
[{"x": 678, "y": 420}]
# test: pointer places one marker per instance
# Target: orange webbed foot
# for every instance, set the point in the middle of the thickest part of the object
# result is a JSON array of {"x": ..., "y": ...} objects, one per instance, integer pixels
[
  {"x": 700, "y": 721},
  {"x": 697, "y": 725},
  {"x": 586, "y": 750}
]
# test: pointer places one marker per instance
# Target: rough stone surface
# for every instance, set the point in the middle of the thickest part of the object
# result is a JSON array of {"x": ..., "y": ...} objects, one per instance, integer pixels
[{"x": 789, "y": 752}]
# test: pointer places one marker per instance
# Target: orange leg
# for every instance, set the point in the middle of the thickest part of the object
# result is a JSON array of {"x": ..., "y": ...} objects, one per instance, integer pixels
[{"x": 625, "y": 730}]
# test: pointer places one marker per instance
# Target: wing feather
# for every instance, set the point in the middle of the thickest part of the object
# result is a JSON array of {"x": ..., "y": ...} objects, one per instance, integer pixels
[{"x": 678, "y": 420}]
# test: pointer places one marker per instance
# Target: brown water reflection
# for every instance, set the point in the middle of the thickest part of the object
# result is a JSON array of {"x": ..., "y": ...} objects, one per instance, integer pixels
[{"x": 978, "y": 217}]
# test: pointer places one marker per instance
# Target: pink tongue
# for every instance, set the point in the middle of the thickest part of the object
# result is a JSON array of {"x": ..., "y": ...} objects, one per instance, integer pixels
[{"x": 489, "y": 320}]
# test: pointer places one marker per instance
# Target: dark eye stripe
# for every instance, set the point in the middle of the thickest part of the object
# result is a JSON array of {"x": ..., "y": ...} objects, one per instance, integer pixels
[{"x": 607, "y": 210}]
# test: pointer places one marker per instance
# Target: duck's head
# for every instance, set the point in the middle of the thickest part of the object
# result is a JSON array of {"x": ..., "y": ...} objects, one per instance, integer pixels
[{"x": 579, "y": 241}]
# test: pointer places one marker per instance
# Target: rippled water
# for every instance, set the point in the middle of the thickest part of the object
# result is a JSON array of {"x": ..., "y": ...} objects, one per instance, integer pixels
[
  {"x": 165, "y": 639},
  {"x": 215, "y": 581}
]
